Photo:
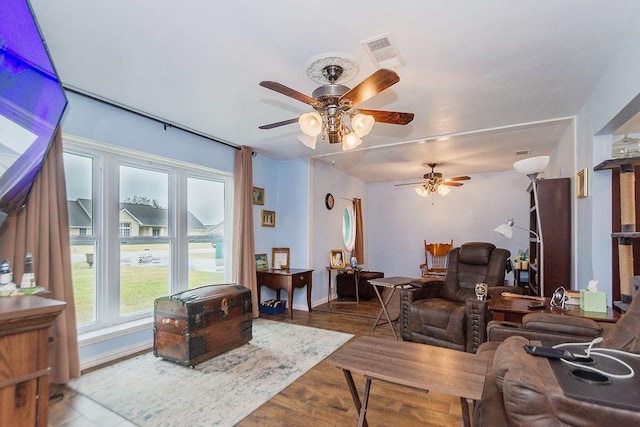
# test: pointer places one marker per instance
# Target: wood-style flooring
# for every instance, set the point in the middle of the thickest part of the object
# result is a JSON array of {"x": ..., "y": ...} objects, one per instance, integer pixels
[{"x": 319, "y": 398}]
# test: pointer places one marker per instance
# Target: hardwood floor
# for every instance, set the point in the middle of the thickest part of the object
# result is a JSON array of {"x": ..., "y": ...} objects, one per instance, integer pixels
[{"x": 319, "y": 398}]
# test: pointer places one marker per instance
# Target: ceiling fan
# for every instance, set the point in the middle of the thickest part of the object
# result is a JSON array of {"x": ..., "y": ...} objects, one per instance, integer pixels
[
  {"x": 435, "y": 183},
  {"x": 335, "y": 115}
]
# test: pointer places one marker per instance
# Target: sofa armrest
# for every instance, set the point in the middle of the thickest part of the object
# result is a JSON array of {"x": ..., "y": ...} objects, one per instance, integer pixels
[
  {"x": 478, "y": 315},
  {"x": 569, "y": 325}
]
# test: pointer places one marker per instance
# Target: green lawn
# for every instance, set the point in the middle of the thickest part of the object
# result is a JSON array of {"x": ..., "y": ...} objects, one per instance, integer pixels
[{"x": 141, "y": 285}]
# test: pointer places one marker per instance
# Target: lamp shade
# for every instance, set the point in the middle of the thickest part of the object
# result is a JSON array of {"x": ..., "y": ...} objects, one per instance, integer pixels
[
  {"x": 350, "y": 141},
  {"x": 309, "y": 141},
  {"x": 505, "y": 229},
  {"x": 532, "y": 165},
  {"x": 443, "y": 190},
  {"x": 310, "y": 123},
  {"x": 362, "y": 124},
  {"x": 422, "y": 191}
]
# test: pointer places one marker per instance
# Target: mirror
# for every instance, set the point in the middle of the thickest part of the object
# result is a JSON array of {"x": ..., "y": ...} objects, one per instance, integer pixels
[{"x": 348, "y": 228}]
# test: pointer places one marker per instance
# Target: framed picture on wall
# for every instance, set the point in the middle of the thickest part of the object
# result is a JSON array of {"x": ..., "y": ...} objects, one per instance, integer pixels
[
  {"x": 280, "y": 258},
  {"x": 582, "y": 183},
  {"x": 258, "y": 196},
  {"x": 268, "y": 218}
]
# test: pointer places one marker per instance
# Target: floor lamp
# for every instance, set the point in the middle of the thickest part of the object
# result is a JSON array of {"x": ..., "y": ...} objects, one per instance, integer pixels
[{"x": 532, "y": 167}]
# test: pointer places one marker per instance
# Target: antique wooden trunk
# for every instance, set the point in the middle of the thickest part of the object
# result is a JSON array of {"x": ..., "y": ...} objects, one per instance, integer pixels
[{"x": 195, "y": 325}]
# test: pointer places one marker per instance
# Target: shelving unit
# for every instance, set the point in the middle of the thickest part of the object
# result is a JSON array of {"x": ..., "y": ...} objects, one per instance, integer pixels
[
  {"x": 625, "y": 218},
  {"x": 554, "y": 198}
]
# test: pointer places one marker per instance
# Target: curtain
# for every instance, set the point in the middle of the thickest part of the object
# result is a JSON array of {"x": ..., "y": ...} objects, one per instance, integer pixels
[
  {"x": 243, "y": 240},
  {"x": 358, "y": 247},
  {"x": 42, "y": 228}
]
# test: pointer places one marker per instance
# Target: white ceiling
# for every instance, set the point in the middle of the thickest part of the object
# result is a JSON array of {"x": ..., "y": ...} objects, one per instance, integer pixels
[{"x": 484, "y": 78}]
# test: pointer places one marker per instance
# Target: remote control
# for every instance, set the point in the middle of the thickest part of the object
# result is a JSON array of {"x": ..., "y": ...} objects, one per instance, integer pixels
[
  {"x": 549, "y": 352},
  {"x": 537, "y": 306}
]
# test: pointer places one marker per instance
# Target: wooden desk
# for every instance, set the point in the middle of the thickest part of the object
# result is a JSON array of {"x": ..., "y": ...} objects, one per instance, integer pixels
[
  {"x": 512, "y": 309},
  {"x": 415, "y": 365},
  {"x": 287, "y": 279},
  {"x": 24, "y": 359}
]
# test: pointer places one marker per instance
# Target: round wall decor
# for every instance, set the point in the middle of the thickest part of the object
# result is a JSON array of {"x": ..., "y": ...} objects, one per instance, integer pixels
[{"x": 329, "y": 201}]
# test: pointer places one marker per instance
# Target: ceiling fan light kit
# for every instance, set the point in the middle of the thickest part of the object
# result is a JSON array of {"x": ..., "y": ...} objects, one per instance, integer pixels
[
  {"x": 335, "y": 117},
  {"x": 434, "y": 183}
]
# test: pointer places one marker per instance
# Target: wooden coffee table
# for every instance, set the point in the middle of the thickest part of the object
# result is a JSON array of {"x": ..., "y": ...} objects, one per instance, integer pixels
[
  {"x": 512, "y": 309},
  {"x": 419, "y": 366}
]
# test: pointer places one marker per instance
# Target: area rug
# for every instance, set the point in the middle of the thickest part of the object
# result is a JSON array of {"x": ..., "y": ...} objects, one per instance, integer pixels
[{"x": 150, "y": 391}]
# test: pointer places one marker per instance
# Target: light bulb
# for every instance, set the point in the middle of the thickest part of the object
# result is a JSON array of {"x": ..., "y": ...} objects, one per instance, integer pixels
[
  {"x": 362, "y": 124},
  {"x": 350, "y": 141},
  {"x": 309, "y": 141},
  {"x": 422, "y": 191},
  {"x": 443, "y": 190},
  {"x": 310, "y": 123}
]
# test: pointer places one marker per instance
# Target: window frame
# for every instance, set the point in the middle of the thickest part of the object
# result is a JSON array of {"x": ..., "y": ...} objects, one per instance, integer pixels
[{"x": 107, "y": 160}]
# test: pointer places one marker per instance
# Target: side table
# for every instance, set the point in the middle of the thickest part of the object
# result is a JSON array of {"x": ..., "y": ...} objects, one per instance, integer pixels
[
  {"x": 388, "y": 282},
  {"x": 287, "y": 279},
  {"x": 356, "y": 272}
]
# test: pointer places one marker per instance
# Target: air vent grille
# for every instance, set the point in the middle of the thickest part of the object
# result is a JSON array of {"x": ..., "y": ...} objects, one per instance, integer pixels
[
  {"x": 382, "y": 51},
  {"x": 523, "y": 152}
]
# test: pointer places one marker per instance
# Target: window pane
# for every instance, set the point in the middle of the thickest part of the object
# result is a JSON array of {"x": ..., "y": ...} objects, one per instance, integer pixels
[
  {"x": 84, "y": 281},
  {"x": 205, "y": 223},
  {"x": 144, "y": 275},
  {"x": 143, "y": 202},
  {"x": 79, "y": 177}
]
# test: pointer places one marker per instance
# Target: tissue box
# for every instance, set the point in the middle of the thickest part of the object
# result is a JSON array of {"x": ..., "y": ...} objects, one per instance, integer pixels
[{"x": 593, "y": 301}]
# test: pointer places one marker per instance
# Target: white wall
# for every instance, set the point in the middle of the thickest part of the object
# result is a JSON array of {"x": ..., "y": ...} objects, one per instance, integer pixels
[
  {"x": 607, "y": 104},
  {"x": 399, "y": 220}
]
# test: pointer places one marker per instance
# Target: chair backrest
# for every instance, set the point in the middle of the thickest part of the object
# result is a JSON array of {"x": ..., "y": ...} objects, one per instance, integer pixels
[
  {"x": 472, "y": 263},
  {"x": 436, "y": 257}
]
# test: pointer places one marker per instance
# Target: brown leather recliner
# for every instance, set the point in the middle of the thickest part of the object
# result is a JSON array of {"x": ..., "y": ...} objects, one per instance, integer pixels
[
  {"x": 520, "y": 389},
  {"x": 447, "y": 313}
]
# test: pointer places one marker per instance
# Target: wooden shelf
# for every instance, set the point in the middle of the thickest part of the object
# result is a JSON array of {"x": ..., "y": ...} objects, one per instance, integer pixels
[{"x": 616, "y": 163}]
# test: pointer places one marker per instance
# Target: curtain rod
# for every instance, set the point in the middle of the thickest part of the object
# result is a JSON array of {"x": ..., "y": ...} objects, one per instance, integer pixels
[{"x": 167, "y": 124}]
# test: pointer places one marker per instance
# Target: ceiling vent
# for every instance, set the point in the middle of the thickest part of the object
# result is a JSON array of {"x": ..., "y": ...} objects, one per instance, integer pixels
[
  {"x": 523, "y": 152},
  {"x": 382, "y": 51}
]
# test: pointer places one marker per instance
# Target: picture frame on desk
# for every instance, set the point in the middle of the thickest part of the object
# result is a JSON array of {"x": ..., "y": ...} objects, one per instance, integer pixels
[
  {"x": 262, "y": 262},
  {"x": 280, "y": 258},
  {"x": 337, "y": 258}
]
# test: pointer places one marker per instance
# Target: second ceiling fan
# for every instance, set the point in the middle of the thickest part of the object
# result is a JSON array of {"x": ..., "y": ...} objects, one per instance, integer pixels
[
  {"x": 434, "y": 182},
  {"x": 336, "y": 117}
]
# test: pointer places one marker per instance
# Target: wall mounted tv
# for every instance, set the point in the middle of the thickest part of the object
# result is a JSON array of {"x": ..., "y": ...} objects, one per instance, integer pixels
[{"x": 32, "y": 102}]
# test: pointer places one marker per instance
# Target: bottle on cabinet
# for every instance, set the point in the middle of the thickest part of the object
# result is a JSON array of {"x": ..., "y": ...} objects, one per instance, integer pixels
[
  {"x": 6, "y": 276},
  {"x": 28, "y": 277}
]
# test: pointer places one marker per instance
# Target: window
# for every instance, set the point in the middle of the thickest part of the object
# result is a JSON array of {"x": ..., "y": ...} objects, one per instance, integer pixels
[
  {"x": 125, "y": 229},
  {"x": 141, "y": 227}
]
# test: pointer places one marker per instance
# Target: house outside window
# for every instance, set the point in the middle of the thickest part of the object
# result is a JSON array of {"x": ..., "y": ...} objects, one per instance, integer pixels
[{"x": 152, "y": 227}]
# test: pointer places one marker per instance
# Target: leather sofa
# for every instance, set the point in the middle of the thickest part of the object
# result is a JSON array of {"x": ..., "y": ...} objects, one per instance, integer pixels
[
  {"x": 522, "y": 390},
  {"x": 447, "y": 313}
]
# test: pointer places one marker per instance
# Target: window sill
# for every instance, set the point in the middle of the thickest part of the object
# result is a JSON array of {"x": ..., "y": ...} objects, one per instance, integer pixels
[{"x": 116, "y": 331}]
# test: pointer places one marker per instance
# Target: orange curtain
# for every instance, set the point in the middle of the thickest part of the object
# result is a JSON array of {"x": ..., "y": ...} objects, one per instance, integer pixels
[
  {"x": 358, "y": 247},
  {"x": 42, "y": 228},
  {"x": 243, "y": 240}
]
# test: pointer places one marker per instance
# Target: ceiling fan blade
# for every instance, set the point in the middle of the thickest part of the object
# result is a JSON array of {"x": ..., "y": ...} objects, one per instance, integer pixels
[
  {"x": 409, "y": 183},
  {"x": 391, "y": 117},
  {"x": 371, "y": 86},
  {"x": 278, "y": 124},
  {"x": 459, "y": 178},
  {"x": 287, "y": 91},
  {"x": 452, "y": 184}
]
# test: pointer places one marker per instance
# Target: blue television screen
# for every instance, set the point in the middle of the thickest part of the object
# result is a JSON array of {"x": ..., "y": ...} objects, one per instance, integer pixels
[{"x": 32, "y": 102}]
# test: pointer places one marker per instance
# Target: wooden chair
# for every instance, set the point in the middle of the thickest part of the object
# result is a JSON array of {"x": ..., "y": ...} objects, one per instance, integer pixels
[{"x": 435, "y": 258}]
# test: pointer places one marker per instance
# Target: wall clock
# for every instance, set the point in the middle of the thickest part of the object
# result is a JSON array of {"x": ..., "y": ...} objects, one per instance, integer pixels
[{"x": 329, "y": 201}]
